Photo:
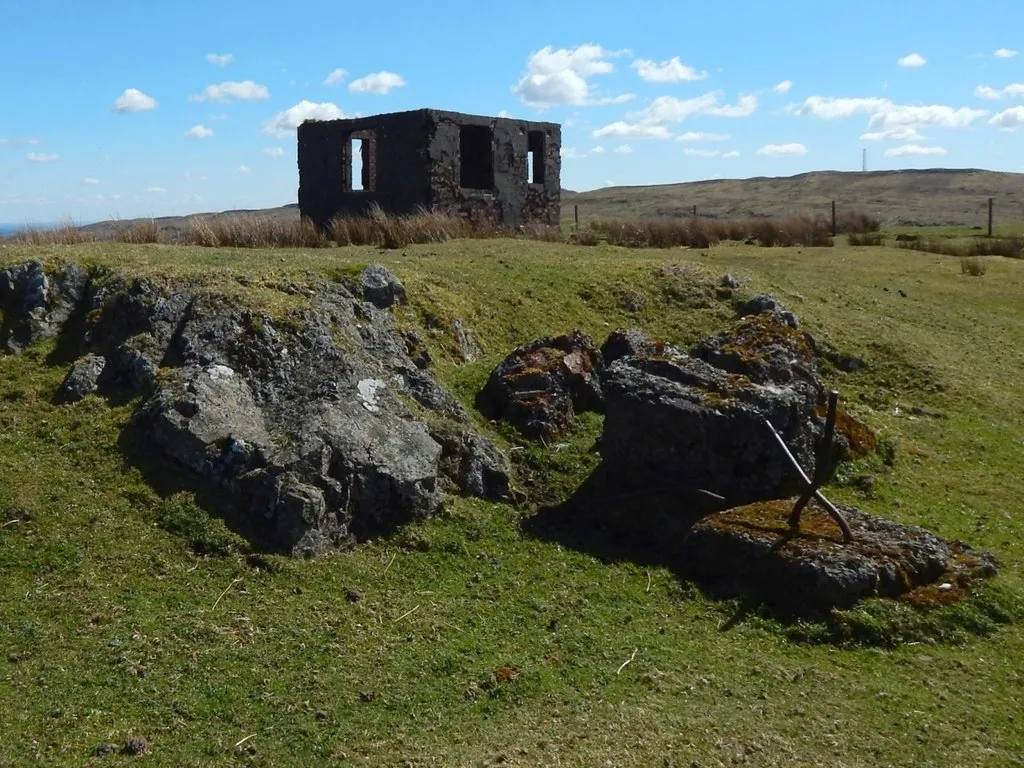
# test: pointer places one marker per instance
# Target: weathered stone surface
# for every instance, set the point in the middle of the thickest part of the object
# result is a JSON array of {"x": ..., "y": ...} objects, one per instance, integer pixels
[
  {"x": 752, "y": 552},
  {"x": 34, "y": 305},
  {"x": 381, "y": 288},
  {"x": 468, "y": 347},
  {"x": 678, "y": 422},
  {"x": 728, "y": 281},
  {"x": 473, "y": 464},
  {"x": 542, "y": 385},
  {"x": 630, "y": 342},
  {"x": 768, "y": 302},
  {"x": 82, "y": 379}
]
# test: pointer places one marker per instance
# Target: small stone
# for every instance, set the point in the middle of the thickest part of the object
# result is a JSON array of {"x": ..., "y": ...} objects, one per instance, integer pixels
[
  {"x": 728, "y": 281},
  {"x": 353, "y": 595},
  {"x": 82, "y": 379},
  {"x": 102, "y": 750},
  {"x": 135, "y": 745},
  {"x": 367, "y": 696},
  {"x": 381, "y": 288}
]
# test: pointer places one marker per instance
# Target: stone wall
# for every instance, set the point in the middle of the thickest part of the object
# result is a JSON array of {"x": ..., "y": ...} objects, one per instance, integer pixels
[{"x": 465, "y": 165}]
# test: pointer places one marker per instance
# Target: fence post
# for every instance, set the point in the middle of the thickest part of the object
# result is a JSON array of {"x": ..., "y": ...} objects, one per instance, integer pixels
[
  {"x": 576, "y": 215},
  {"x": 833, "y": 218},
  {"x": 990, "y": 201}
]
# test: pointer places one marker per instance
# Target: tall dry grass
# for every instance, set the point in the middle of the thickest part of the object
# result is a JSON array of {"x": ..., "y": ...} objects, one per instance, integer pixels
[
  {"x": 253, "y": 231},
  {"x": 856, "y": 223},
  {"x": 67, "y": 232},
  {"x": 1010, "y": 247},
  {"x": 144, "y": 231},
  {"x": 705, "y": 232}
]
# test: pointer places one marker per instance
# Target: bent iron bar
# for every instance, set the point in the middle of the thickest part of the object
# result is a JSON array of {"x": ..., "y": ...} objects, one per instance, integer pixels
[{"x": 811, "y": 488}]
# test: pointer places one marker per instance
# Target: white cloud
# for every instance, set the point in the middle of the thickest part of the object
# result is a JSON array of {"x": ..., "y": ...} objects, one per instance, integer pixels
[
  {"x": 154, "y": 190},
  {"x": 199, "y": 132},
  {"x": 41, "y": 157},
  {"x": 90, "y": 181},
  {"x": 220, "y": 59},
  {"x": 1012, "y": 91},
  {"x": 744, "y": 107},
  {"x": 671, "y": 71},
  {"x": 913, "y": 60},
  {"x": 134, "y": 100},
  {"x": 274, "y": 152},
  {"x": 669, "y": 109},
  {"x": 731, "y": 154},
  {"x": 1005, "y": 53},
  {"x": 913, "y": 150},
  {"x": 284, "y": 123},
  {"x": 379, "y": 83},
  {"x": 598, "y": 150},
  {"x": 624, "y": 130},
  {"x": 243, "y": 169},
  {"x": 30, "y": 141},
  {"x": 557, "y": 77},
  {"x": 624, "y": 149},
  {"x": 908, "y": 133},
  {"x": 784, "y": 87},
  {"x": 701, "y": 136},
  {"x": 777, "y": 150},
  {"x": 1009, "y": 119},
  {"x": 336, "y": 76},
  {"x": 701, "y": 152},
  {"x": 934, "y": 115},
  {"x": 225, "y": 92},
  {"x": 827, "y": 108}
]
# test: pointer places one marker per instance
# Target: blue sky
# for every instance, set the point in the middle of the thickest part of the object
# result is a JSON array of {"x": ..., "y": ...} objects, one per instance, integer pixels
[{"x": 125, "y": 109}]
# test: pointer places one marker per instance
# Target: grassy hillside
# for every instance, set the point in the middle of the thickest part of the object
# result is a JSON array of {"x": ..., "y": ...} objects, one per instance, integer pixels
[
  {"x": 475, "y": 641},
  {"x": 929, "y": 197}
]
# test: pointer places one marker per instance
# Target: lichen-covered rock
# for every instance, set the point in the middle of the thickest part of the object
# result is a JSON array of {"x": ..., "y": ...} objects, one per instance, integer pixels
[
  {"x": 466, "y": 344},
  {"x": 751, "y": 552},
  {"x": 380, "y": 287},
  {"x": 630, "y": 342},
  {"x": 473, "y": 464},
  {"x": 82, "y": 379},
  {"x": 35, "y": 306},
  {"x": 768, "y": 302},
  {"x": 677, "y": 422},
  {"x": 542, "y": 385}
]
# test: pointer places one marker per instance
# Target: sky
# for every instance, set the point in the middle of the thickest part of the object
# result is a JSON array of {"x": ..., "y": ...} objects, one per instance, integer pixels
[{"x": 119, "y": 109}]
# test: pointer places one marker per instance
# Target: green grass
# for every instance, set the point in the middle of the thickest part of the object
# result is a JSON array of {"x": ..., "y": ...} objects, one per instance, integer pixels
[{"x": 111, "y": 624}]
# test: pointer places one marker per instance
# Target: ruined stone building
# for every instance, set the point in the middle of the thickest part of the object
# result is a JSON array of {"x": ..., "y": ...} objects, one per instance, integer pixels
[{"x": 499, "y": 169}]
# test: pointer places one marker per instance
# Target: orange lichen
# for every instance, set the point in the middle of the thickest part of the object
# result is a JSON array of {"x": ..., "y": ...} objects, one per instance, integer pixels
[
  {"x": 861, "y": 438},
  {"x": 753, "y": 334}
]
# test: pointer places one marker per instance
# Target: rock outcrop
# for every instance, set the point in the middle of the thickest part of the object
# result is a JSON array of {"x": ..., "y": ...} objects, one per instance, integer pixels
[
  {"x": 540, "y": 386},
  {"x": 308, "y": 419}
]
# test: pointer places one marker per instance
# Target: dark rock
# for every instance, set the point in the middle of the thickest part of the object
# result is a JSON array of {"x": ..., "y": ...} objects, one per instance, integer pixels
[
  {"x": 473, "y": 464},
  {"x": 104, "y": 750},
  {"x": 728, "y": 281},
  {"x": 752, "y": 552},
  {"x": 678, "y": 423},
  {"x": 353, "y": 595},
  {"x": 135, "y": 745},
  {"x": 765, "y": 349},
  {"x": 768, "y": 302},
  {"x": 843, "y": 362},
  {"x": 542, "y": 385},
  {"x": 416, "y": 348},
  {"x": 380, "y": 287},
  {"x": 35, "y": 306},
  {"x": 631, "y": 342},
  {"x": 82, "y": 379}
]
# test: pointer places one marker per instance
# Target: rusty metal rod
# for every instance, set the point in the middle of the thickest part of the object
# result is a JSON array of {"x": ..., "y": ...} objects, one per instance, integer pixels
[
  {"x": 815, "y": 493},
  {"x": 823, "y": 461}
]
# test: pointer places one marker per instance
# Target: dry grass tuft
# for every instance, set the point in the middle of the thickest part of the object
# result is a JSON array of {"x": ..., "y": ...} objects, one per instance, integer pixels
[
  {"x": 145, "y": 231},
  {"x": 857, "y": 223},
  {"x": 866, "y": 238},
  {"x": 975, "y": 266},
  {"x": 67, "y": 232}
]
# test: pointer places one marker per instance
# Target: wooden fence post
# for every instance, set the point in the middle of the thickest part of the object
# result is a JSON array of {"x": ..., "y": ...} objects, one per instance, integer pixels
[
  {"x": 576, "y": 215},
  {"x": 990, "y": 202},
  {"x": 833, "y": 218},
  {"x": 695, "y": 211}
]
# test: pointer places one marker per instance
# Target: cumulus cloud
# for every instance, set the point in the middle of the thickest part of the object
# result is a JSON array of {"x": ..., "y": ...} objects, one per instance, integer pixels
[
  {"x": 91, "y": 182},
  {"x": 220, "y": 59},
  {"x": 701, "y": 136},
  {"x": 670, "y": 71},
  {"x": 784, "y": 87},
  {"x": 828, "y": 108},
  {"x": 744, "y": 107},
  {"x": 731, "y": 154},
  {"x": 907, "y": 133},
  {"x": 914, "y": 150},
  {"x": 885, "y": 114},
  {"x": 154, "y": 190},
  {"x": 284, "y": 123},
  {"x": 243, "y": 169},
  {"x": 558, "y": 77},
  {"x": 274, "y": 152},
  {"x": 335, "y": 77},
  {"x": 598, "y": 150},
  {"x": 669, "y": 109},
  {"x": 1012, "y": 91},
  {"x": 912, "y": 60},
  {"x": 199, "y": 132},
  {"x": 230, "y": 90},
  {"x": 690, "y": 152},
  {"x": 778, "y": 150},
  {"x": 134, "y": 100},
  {"x": 623, "y": 149},
  {"x": 622, "y": 130},
  {"x": 379, "y": 83},
  {"x": 41, "y": 157},
  {"x": 1009, "y": 119},
  {"x": 1005, "y": 53}
]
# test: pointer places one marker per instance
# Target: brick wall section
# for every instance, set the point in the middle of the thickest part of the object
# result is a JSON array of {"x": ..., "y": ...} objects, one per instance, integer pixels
[{"x": 414, "y": 159}]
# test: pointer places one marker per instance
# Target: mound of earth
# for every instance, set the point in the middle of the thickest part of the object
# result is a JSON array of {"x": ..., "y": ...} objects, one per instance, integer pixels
[
  {"x": 753, "y": 553},
  {"x": 316, "y": 422}
]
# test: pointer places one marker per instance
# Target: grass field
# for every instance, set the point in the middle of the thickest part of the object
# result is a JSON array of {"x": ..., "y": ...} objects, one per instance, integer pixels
[{"x": 475, "y": 643}]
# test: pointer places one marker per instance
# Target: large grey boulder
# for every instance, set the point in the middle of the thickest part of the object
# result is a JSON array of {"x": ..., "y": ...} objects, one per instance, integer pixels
[
  {"x": 34, "y": 305},
  {"x": 82, "y": 379}
]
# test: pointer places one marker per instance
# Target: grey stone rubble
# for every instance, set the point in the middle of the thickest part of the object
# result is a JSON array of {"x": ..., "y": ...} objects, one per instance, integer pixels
[{"x": 309, "y": 422}]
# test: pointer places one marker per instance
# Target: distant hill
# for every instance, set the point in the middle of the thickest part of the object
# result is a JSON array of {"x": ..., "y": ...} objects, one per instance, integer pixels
[{"x": 927, "y": 197}]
